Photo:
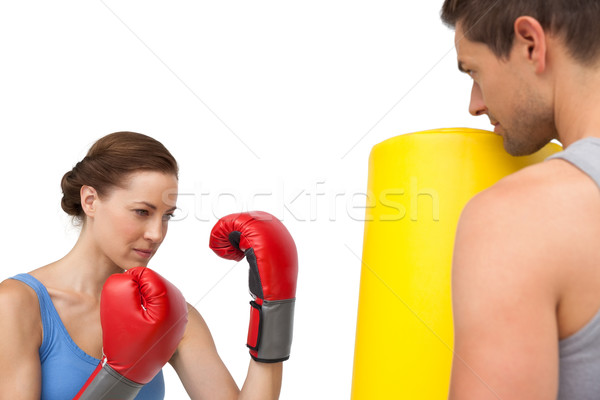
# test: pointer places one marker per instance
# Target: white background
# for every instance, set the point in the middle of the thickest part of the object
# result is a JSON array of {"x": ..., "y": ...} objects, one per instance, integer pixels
[{"x": 270, "y": 105}]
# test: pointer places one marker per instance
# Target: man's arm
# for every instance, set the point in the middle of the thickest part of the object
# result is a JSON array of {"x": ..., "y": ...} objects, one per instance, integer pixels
[{"x": 505, "y": 296}]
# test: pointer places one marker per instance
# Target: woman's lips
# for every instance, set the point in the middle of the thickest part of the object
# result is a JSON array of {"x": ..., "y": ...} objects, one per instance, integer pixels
[{"x": 143, "y": 253}]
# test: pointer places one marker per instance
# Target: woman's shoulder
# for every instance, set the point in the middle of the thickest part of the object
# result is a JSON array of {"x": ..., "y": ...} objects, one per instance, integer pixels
[
  {"x": 18, "y": 303},
  {"x": 16, "y": 293}
]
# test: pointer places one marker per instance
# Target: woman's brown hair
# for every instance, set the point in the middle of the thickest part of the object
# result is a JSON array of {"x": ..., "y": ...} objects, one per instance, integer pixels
[{"x": 108, "y": 163}]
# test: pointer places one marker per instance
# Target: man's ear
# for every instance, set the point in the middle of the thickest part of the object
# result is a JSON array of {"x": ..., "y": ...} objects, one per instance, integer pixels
[
  {"x": 89, "y": 198},
  {"x": 530, "y": 42}
]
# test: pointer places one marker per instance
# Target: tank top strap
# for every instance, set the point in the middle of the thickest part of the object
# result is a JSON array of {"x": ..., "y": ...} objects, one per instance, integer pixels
[
  {"x": 585, "y": 155},
  {"x": 52, "y": 326},
  {"x": 46, "y": 306}
]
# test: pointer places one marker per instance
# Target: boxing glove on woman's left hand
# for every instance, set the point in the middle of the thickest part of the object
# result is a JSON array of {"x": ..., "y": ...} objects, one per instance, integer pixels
[
  {"x": 143, "y": 318},
  {"x": 273, "y": 261}
]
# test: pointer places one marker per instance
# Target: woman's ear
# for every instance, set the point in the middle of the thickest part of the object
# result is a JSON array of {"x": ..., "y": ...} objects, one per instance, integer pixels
[
  {"x": 530, "y": 42},
  {"x": 89, "y": 198}
]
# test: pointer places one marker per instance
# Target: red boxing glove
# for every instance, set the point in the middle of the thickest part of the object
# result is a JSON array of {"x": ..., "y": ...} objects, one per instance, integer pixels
[
  {"x": 273, "y": 259},
  {"x": 143, "y": 318}
]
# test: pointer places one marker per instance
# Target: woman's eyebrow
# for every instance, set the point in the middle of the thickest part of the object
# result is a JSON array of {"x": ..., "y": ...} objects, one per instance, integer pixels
[
  {"x": 153, "y": 207},
  {"x": 150, "y": 205}
]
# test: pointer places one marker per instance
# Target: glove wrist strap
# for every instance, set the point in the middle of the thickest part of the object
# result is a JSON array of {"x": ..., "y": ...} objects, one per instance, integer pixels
[
  {"x": 271, "y": 330},
  {"x": 109, "y": 384}
]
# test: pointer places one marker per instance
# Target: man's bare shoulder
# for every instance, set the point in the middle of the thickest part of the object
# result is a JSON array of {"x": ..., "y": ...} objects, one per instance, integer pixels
[
  {"x": 549, "y": 190},
  {"x": 534, "y": 232},
  {"x": 538, "y": 220},
  {"x": 506, "y": 279}
]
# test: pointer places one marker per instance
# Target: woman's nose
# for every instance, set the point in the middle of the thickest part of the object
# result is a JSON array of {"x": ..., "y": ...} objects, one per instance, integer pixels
[{"x": 154, "y": 230}]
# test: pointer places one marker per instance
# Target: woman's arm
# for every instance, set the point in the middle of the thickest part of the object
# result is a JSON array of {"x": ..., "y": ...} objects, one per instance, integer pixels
[
  {"x": 263, "y": 381},
  {"x": 20, "y": 340},
  {"x": 204, "y": 375}
]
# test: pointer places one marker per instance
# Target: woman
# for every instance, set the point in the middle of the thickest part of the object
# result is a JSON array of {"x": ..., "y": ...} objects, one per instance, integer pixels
[{"x": 123, "y": 194}]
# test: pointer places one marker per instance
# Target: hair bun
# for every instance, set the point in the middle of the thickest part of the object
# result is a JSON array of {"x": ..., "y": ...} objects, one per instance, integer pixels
[{"x": 71, "y": 200}]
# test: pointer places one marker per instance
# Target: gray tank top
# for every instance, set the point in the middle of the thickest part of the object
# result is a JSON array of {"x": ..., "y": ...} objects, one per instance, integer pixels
[{"x": 580, "y": 353}]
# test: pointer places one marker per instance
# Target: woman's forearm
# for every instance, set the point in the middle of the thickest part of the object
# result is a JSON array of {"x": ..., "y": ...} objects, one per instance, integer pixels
[{"x": 263, "y": 381}]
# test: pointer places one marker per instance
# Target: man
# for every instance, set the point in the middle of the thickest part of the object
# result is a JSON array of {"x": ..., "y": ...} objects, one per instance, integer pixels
[{"x": 526, "y": 268}]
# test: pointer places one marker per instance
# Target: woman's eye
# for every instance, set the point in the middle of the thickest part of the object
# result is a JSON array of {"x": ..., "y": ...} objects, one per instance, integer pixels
[
  {"x": 167, "y": 217},
  {"x": 142, "y": 212}
]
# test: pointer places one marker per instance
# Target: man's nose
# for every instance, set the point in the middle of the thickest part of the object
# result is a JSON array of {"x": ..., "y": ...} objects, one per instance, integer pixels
[{"x": 477, "y": 106}]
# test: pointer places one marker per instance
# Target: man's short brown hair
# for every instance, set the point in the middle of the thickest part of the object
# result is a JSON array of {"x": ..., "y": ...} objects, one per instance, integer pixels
[{"x": 492, "y": 22}]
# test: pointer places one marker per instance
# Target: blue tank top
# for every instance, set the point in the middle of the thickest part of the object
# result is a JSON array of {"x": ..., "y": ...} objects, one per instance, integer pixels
[
  {"x": 65, "y": 367},
  {"x": 580, "y": 353}
]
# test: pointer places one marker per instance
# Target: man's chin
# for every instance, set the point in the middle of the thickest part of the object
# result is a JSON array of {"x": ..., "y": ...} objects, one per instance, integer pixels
[{"x": 519, "y": 150}]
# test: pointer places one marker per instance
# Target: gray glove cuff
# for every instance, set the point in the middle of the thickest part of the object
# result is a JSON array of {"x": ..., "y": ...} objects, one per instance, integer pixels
[
  {"x": 110, "y": 385},
  {"x": 275, "y": 331}
]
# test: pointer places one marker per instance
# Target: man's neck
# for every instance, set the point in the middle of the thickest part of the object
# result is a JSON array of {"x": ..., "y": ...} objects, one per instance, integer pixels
[{"x": 577, "y": 102}]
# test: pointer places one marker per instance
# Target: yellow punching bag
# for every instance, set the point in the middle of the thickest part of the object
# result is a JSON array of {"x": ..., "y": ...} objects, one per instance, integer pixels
[{"x": 418, "y": 185}]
